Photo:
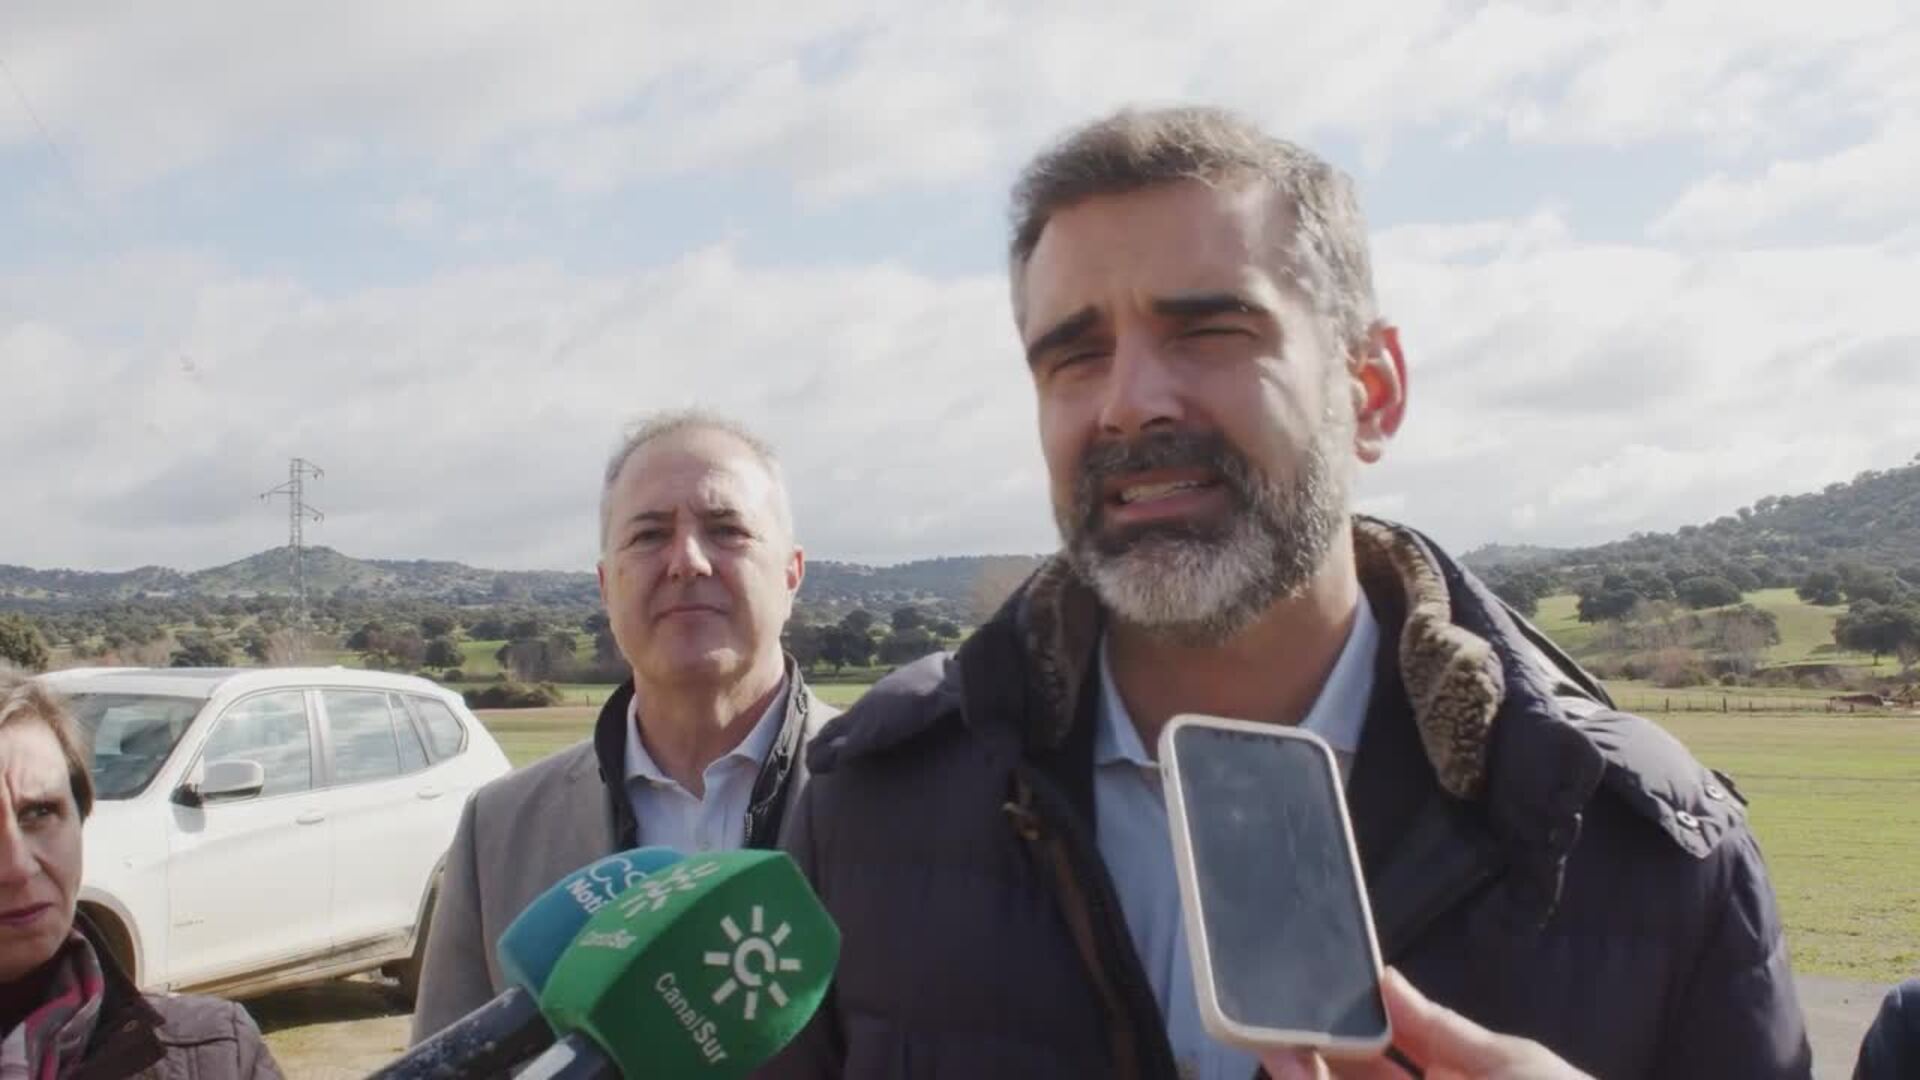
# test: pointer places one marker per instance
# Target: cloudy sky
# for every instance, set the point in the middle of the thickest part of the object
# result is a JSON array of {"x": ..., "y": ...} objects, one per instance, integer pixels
[{"x": 1652, "y": 261}]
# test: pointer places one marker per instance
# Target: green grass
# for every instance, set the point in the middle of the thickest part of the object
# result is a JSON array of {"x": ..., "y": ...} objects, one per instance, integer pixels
[
  {"x": 476, "y": 658},
  {"x": 839, "y": 695},
  {"x": 1836, "y": 805},
  {"x": 1806, "y": 631},
  {"x": 1559, "y": 616},
  {"x": 527, "y": 735}
]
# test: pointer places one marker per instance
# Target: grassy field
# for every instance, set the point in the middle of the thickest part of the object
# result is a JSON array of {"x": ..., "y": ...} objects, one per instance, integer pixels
[
  {"x": 1806, "y": 630},
  {"x": 527, "y": 735},
  {"x": 1835, "y": 802}
]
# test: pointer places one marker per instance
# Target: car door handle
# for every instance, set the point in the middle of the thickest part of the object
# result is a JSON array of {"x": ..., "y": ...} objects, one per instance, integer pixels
[
  {"x": 429, "y": 793},
  {"x": 311, "y": 817}
]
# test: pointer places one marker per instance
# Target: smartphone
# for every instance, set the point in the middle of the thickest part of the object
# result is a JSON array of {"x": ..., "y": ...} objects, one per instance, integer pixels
[{"x": 1278, "y": 927}]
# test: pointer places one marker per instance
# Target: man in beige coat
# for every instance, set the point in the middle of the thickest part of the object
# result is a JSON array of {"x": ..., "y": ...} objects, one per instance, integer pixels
[{"x": 700, "y": 751}]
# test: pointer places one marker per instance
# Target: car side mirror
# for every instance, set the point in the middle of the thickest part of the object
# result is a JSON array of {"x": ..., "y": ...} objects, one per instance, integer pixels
[{"x": 225, "y": 781}]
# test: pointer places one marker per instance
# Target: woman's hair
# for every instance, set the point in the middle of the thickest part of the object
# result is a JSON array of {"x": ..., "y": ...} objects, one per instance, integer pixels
[{"x": 24, "y": 699}]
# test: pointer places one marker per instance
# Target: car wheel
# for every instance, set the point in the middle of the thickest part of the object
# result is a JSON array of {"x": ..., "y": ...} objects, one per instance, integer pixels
[{"x": 407, "y": 972}]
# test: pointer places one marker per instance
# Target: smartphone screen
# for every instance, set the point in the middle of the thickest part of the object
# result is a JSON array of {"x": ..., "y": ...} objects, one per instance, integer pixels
[{"x": 1280, "y": 901}]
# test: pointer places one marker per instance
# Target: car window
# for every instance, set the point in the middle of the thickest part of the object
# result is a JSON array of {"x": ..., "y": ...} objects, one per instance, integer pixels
[
  {"x": 270, "y": 729},
  {"x": 413, "y": 756},
  {"x": 446, "y": 735},
  {"x": 361, "y": 726},
  {"x": 131, "y": 734}
]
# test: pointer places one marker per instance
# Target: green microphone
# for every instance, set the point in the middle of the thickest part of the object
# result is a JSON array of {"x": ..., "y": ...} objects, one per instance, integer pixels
[{"x": 706, "y": 968}]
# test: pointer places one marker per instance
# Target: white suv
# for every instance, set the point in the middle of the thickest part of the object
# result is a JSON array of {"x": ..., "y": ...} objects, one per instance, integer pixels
[{"x": 260, "y": 829}]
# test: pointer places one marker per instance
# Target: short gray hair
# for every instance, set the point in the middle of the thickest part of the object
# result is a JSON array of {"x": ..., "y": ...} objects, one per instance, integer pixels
[
  {"x": 660, "y": 425},
  {"x": 1134, "y": 149}
]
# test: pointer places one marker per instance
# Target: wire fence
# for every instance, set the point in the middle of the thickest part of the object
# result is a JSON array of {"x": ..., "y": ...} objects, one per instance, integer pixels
[{"x": 1698, "y": 702}]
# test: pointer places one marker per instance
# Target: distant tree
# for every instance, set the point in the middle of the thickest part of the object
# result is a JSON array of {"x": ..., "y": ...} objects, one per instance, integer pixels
[
  {"x": 1607, "y": 604},
  {"x": 906, "y": 646},
  {"x": 524, "y": 628},
  {"x": 1871, "y": 583},
  {"x": 564, "y": 642},
  {"x": 859, "y": 620},
  {"x": 1820, "y": 587},
  {"x": 842, "y": 646},
  {"x": 945, "y": 629},
  {"x": 488, "y": 628},
  {"x": 1708, "y": 592},
  {"x": 1881, "y": 629},
  {"x": 201, "y": 650},
  {"x": 534, "y": 659},
  {"x": 804, "y": 641},
  {"x": 1742, "y": 635},
  {"x": 255, "y": 642},
  {"x": 437, "y": 625},
  {"x": 1650, "y": 583},
  {"x": 908, "y": 617},
  {"x": 369, "y": 638},
  {"x": 1522, "y": 590},
  {"x": 442, "y": 653},
  {"x": 21, "y": 643}
]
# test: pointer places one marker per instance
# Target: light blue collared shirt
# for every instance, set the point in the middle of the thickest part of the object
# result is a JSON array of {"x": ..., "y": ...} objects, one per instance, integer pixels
[
  {"x": 670, "y": 816},
  {"x": 1131, "y": 822}
]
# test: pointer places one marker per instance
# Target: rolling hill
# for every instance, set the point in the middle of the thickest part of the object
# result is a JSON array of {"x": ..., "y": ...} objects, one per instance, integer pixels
[
  {"x": 958, "y": 586},
  {"x": 1872, "y": 520}
]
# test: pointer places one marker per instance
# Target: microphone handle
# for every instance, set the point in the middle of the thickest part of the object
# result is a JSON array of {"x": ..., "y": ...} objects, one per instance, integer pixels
[
  {"x": 575, "y": 1057},
  {"x": 488, "y": 1041}
]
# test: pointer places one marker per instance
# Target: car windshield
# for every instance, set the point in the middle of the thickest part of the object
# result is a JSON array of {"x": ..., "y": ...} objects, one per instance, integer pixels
[{"x": 132, "y": 735}]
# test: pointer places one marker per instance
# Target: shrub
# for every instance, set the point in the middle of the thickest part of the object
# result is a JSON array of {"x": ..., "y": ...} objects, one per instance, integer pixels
[{"x": 513, "y": 695}]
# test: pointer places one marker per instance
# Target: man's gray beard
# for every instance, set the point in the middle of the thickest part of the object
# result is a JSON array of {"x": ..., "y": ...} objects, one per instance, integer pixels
[{"x": 1197, "y": 589}]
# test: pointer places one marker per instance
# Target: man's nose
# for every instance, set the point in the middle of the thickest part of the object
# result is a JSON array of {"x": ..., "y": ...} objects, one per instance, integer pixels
[
  {"x": 1142, "y": 391},
  {"x": 688, "y": 558}
]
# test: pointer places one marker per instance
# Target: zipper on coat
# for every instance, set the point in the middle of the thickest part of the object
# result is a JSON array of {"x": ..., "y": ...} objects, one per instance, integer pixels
[{"x": 1092, "y": 914}]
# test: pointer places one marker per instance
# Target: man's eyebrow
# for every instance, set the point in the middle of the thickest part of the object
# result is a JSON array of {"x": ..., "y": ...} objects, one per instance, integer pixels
[
  {"x": 1190, "y": 306},
  {"x": 1064, "y": 332}
]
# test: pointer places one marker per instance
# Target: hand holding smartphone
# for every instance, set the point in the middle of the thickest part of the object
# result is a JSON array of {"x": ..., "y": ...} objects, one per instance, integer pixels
[{"x": 1278, "y": 927}]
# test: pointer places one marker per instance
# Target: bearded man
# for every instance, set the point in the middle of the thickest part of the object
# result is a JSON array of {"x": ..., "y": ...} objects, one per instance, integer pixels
[{"x": 1196, "y": 305}]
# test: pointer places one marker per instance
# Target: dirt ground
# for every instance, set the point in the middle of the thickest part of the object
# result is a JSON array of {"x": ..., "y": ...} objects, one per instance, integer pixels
[
  {"x": 334, "y": 1031},
  {"x": 348, "y": 1029}
]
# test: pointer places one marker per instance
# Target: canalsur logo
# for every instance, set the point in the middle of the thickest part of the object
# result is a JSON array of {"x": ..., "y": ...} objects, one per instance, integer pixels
[
  {"x": 654, "y": 891},
  {"x": 753, "y": 964}
]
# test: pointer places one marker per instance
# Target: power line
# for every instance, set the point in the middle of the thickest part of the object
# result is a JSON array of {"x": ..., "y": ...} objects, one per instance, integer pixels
[
  {"x": 67, "y": 171},
  {"x": 295, "y": 489}
]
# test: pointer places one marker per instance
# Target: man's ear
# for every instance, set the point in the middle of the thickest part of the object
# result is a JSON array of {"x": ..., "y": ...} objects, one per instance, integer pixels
[
  {"x": 796, "y": 570},
  {"x": 1380, "y": 392}
]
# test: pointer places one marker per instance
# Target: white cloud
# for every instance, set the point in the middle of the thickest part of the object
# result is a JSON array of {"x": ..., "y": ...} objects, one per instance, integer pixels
[
  {"x": 1563, "y": 389},
  {"x": 414, "y": 213},
  {"x": 1561, "y": 392},
  {"x": 1571, "y": 393},
  {"x": 469, "y": 415},
  {"x": 846, "y": 98},
  {"x": 1870, "y": 182}
]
